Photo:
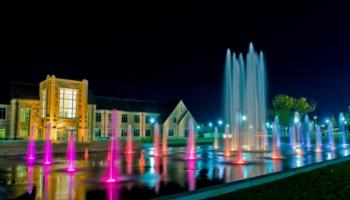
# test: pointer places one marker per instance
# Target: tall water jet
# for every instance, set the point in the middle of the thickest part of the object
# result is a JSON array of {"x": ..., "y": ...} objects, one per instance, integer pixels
[
  {"x": 129, "y": 148},
  {"x": 191, "y": 152},
  {"x": 245, "y": 95},
  {"x": 164, "y": 142},
  {"x": 330, "y": 132},
  {"x": 216, "y": 139},
  {"x": 277, "y": 132},
  {"x": 156, "y": 149},
  {"x": 342, "y": 129},
  {"x": 291, "y": 137},
  {"x": 48, "y": 146},
  {"x": 112, "y": 169},
  {"x": 297, "y": 134},
  {"x": 276, "y": 154},
  {"x": 318, "y": 139},
  {"x": 307, "y": 131},
  {"x": 31, "y": 146},
  {"x": 227, "y": 139},
  {"x": 71, "y": 153}
]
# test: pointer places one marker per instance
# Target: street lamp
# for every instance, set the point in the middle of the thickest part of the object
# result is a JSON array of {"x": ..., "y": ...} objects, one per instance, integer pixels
[
  {"x": 210, "y": 124},
  {"x": 220, "y": 122},
  {"x": 327, "y": 121},
  {"x": 244, "y": 118}
]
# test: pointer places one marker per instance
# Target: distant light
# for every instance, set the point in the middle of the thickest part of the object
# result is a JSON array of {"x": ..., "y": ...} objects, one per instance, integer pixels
[
  {"x": 271, "y": 126},
  {"x": 244, "y": 117},
  {"x": 198, "y": 127},
  {"x": 327, "y": 121},
  {"x": 220, "y": 122},
  {"x": 227, "y": 125},
  {"x": 267, "y": 124},
  {"x": 343, "y": 119},
  {"x": 345, "y": 122},
  {"x": 315, "y": 117},
  {"x": 210, "y": 124},
  {"x": 152, "y": 120},
  {"x": 251, "y": 127}
]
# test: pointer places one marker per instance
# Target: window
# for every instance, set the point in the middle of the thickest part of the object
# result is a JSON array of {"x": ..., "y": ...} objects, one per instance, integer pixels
[
  {"x": 148, "y": 132},
  {"x": 186, "y": 132},
  {"x": 174, "y": 120},
  {"x": 43, "y": 103},
  {"x": 24, "y": 114},
  {"x": 98, "y": 132},
  {"x": 68, "y": 103},
  {"x": 136, "y": 132},
  {"x": 124, "y": 118},
  {"x": 124, "y": 132},
  {"x": 109, "y": 116},
  {"x": 136, "y": 119},
  {"x": 2, "y": 113},
  {"x": 148, "y": 119},
  {"x": 2, "y": 133},
  {"x": 170, "y": 132},
  {"x": 98, "y": 117},
  {"x": 24, "y": 132}
]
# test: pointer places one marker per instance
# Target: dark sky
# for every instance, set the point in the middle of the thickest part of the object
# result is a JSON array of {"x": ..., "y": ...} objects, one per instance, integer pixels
[{"x": 173, "y": 51}]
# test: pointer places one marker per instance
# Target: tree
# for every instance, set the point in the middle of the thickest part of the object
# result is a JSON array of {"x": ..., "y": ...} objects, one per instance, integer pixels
[{"x": 284, "y": 107}]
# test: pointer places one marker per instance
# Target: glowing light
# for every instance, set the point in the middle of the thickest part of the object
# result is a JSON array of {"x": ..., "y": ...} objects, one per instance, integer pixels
[
  {"x": 296, "y": 120},
  {"x": 267, "y": 124},
  {"x": 227, "y": 125},
  {"x": 244, "y": 118},
  {"x": 210, "y": 124},
  {"x": 152, "y": 120},
  {"x": 327, "y": 121},
  {"x": 198, "y": 127},
  {"x": 220, "y": 122}
]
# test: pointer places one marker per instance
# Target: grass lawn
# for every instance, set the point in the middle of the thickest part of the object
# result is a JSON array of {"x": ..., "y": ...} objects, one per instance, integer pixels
[{"x": 331, "y": 182}]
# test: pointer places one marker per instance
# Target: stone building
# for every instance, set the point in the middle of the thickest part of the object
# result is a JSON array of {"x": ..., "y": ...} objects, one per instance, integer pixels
[{"x": 68, "y": 106}]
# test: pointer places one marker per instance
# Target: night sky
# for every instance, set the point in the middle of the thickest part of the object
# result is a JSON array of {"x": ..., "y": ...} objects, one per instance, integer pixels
[{"x": 167, "y": 52}]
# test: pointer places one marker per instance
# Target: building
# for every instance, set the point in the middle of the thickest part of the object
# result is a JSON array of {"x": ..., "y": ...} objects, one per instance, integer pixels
[{"x": 68, "y": 106}]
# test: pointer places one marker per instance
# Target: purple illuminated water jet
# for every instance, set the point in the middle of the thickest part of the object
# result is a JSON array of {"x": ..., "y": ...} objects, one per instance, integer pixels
[
  {"x": 331, "y": 136},
  {"x": 31, "y": 146},
  {"x": 112, "y": 169},
  {"x": 191, "y": 153},
  {"x": 48, "y": 146},
  {"x": 129, "y": 148},
  {"x": 71, "y": 153}
]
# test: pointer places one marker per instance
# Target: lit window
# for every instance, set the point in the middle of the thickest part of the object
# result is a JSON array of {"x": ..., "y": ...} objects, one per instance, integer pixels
[
  {"x": 124, "y": 118},
  {"x": 98, "y": 117},
  {"x": 170, "y": 132},
  {"x": 136, "y": 119},
  {"x": 2, "y": 133},
  {"x": 68, "y": 103},
  {"x": 43, "y": 103},
  {"x": 136, "y": 132},
  {"x": 24, "y": 132},
  {"x": 24, "y": 114},
  {"x": 148, "y": 132}
]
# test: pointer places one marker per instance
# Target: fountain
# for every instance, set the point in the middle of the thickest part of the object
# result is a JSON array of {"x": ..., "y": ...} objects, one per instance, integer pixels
[
  {"x": 227, "y": 140},
  {"x": 112, "y": 169},
  {"x": 31, "y": 146},
  {"x": 291, "y": 137},
  {"x": 142, "y": 162},
  {"x": 156, "y": 140},
  {"x": 48, "y": 146},
  {"x": 276, "y": 154},
  {"x": 307, "y": 131},
  {"x": 86, "y": 154},
  {"x": 318, "y": 139},
  {"x": 297, "y": 135},
  {"x": 71, "y": 153},
  {"x": 245, "y": 93},
  {"x": 129, "y": 149},
  {"x": 216, "y": 139},
  {"x": 331, "y": 136},
  {"x": 164, "y": 142},
  {"x": 191, "y": 142},
  {"x": 342, "y": 123},
  {"x": 30, "y": 178}
]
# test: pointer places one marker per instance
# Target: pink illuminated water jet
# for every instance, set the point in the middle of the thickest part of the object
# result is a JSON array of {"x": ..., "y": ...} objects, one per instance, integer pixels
[
  {"x": 156, "y": 140},
  {"x": 112, "y": 169},
  {"x": 48, "y": 146},
  {"x": 227, "y": 140},
  {"x": 191, "y": 142},
  {"x": 216, "y": 139},
  {"x": 71, "y": 153},
  {"x": 129, "y": 148},
  {"x": 31, "y": 146},
  {"x": 164, "y": 142},
  {"x": 86, "y": 154}
]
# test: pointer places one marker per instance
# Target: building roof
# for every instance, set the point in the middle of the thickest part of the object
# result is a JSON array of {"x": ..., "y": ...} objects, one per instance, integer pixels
[
  {"x": 21, "y": 90},
  {"x": 133, "y": 105}
]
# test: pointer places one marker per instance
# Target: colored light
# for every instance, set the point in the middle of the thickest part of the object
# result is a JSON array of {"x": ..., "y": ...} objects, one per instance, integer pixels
[
  {"x": 244, "y": 118},
  {"x": 327, "y": 121},
  {"x": 152, "y": 120},
  {"x": 210, "y": 124},
  {"x": 220, "y": 122}
]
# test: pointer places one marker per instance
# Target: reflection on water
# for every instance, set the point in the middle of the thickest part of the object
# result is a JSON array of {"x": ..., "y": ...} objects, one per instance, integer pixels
[{"x": 146, "y": 176}]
